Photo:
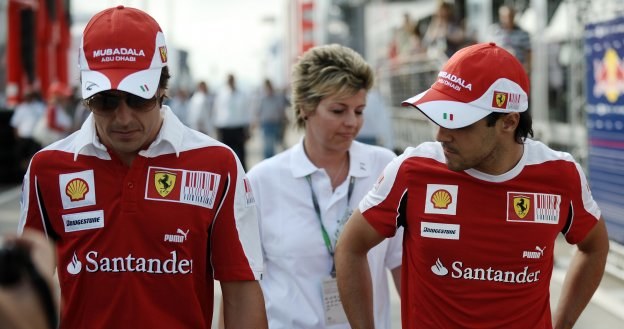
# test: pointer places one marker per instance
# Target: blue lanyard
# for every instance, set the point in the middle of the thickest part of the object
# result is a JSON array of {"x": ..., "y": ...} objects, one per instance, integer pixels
[{"x": 317, "y": 209}]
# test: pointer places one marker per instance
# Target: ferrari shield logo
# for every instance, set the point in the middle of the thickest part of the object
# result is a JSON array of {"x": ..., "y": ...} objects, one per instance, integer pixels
[
  {"x": 522, "y": 205},
  {"x": 500, "y": 99},
  {"x": 164, "y": 182},
  {"x": 163, "y": 54}
]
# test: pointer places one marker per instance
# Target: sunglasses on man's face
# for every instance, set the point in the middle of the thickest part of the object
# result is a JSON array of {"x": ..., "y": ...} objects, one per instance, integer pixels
[{"x": 106, "y": 103}]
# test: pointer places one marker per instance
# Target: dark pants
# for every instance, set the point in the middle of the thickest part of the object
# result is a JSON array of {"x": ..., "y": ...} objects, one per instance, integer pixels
[{"x": 235, "y": 137}]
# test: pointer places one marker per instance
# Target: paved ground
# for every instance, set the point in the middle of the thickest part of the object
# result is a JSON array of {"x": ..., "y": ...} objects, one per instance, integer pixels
[{"x": 606, "y": 310}]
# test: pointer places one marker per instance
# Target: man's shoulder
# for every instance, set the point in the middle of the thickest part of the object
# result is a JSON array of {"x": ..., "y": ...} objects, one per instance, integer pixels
[
  {"x": 432, "y": 150},
  {"x": 538, "y": 152}
]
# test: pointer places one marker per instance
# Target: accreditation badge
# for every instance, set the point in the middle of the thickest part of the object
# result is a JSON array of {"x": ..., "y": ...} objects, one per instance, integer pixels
[{"x": 334, "y": 313}]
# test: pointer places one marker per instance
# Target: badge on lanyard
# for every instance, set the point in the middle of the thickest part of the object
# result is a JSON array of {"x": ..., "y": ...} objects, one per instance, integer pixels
[{"x": 332, "y": 305}]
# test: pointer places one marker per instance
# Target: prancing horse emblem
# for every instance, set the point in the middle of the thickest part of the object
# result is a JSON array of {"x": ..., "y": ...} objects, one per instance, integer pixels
[
  {"x": 164, "y": 182},
  {"x": 522, "y": 205}
]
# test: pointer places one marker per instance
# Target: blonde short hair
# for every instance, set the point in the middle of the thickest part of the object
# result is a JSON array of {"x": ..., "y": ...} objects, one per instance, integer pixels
[{"x": 326, "y": 71}]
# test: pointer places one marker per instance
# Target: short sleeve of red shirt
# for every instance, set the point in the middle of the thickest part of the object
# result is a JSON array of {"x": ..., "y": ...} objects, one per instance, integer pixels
[
  {"x": 585, "y": 210},
  {"x": 379, "y": 206},
  {"x": 235, "y": 232}
]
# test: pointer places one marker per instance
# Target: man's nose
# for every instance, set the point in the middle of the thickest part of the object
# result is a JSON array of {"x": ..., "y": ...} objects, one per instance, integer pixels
[
  {"x": 444, "y": 135},
  {"x": 123, "y": 113}
]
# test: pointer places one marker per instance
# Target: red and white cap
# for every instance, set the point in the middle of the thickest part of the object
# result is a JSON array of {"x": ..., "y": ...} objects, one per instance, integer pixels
[
  {"x": 122, "y": 48},
  {"x": 476, "y": 81}
]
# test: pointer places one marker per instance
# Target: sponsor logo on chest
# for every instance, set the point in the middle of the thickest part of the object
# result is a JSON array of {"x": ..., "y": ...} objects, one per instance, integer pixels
[
  {"x": 83, "y": 221},
  {"x": 441, "y": 199},
  {"x": 461, "y": 271},
  {"x": 179, "y": 237},
  {"x": 77, "y": 189},
  {"x": 184, "y": 186},
  {"x": 97, "y": 262},
  {"x": 533, "y": 207}
]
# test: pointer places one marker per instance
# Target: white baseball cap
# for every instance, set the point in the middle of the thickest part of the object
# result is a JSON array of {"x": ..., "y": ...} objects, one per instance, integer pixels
[
  {"x": 476, "y": 81},
  {"x": 122, "y": 48}
]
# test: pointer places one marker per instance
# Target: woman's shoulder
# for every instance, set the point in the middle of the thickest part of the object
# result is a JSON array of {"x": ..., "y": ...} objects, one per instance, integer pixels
[
  {"x": 377, "y": 152},
  {"x": 268, "y": 166}
]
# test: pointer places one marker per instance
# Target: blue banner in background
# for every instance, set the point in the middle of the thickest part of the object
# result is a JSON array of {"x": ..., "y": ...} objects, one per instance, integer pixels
[{"x": 604, "y": 54}]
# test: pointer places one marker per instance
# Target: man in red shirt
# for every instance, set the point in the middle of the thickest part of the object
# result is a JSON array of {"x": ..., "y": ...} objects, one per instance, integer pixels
[
  {"x": 145, "y": 212},
  {"x": 481, "y": 209}
]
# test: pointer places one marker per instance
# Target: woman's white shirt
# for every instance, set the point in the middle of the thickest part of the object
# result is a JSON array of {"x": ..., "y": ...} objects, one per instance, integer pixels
[{"x": 296, "y": 258}]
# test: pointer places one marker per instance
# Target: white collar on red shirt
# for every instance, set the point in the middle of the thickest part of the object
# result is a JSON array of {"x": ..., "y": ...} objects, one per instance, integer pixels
[
  {"x": 168, "y": 140},
  {"x": 359, "y": 164}
]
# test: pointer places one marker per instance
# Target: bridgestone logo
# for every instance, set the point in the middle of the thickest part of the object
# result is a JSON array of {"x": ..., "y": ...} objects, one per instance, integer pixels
[
  {"x": 83, "y": 221},
  {"x": 439, "y": 231}
]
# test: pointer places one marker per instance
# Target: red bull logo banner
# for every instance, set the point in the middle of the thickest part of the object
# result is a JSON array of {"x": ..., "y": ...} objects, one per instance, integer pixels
[{"x": 604, "y": 57}]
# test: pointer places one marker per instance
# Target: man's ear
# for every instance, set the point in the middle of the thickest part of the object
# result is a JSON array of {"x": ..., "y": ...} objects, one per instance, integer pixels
[{"x": 510, "y": 121}]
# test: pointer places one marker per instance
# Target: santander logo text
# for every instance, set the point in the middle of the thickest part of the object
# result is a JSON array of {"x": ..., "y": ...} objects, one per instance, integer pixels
[
  {"x": 460, "y": 271},
  {"x": 96, "y": 263}
]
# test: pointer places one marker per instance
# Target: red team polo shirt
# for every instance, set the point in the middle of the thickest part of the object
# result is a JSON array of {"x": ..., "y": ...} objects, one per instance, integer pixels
[
  {"x": 139, "y": 247},
  {"x": 478, "y": 249}
]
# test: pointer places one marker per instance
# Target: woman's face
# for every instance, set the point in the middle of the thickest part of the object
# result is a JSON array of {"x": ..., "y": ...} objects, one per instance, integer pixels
[{"x": 336, "y": 121}]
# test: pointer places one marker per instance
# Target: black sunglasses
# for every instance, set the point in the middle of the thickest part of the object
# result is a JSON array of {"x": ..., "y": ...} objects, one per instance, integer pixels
[{"x": 106, "y": 103}]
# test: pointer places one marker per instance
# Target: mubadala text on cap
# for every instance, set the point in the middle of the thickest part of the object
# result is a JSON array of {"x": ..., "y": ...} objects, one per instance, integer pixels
[
  {"x": 455, "y": 79},
  {"x": 118, "y": 51}
]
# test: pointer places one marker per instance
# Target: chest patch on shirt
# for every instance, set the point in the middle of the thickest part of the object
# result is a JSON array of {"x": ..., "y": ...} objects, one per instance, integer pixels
[
  {"x": 77, "y": 189},
  {"x": 83, "y": 221},
  {"x": 441, "y": 199},
  {"x": 177, "y": 185},
  {"x": 533, "y": 207}
]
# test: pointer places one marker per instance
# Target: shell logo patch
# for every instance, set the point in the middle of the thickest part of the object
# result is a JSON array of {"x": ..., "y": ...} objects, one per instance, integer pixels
[
  {"x": 77, "y": 189},
  {"x": 441, "y": 199},
  {"x": 164, "y": 181}
]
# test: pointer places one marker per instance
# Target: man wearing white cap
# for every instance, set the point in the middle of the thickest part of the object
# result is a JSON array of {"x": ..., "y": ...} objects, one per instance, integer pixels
[
  {"x": 145, "y": 212},
  {"x": 481, "y": 209}
]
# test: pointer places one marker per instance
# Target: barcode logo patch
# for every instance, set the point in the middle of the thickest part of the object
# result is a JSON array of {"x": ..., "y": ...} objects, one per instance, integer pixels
[
  {"x": 533, "y": 207},
  {"x": 191, "y": 187}
]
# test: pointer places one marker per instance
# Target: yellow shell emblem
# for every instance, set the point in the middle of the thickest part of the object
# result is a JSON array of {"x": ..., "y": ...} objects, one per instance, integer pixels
[
  {"x": 164, "y": 182},
  {"x": 76, "y": 189},
  {"x": 441, "y": 199}
]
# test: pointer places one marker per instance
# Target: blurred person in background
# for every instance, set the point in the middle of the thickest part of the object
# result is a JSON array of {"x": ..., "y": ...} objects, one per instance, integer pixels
[
  {"x": 270, "y": 115},
  {"x": 56, "y": 123},
  {"x": 445, "y": 34},
  {"x": 146, "y": 213},
  {"x": 377, "y": 127},
  {"x": 306, "y": 193},
  {"x": 179, "y": 104},
  {"x": 507, "y": 34},
  {"x": 24, "y": 119},
  {"x": 232, "y": 117},
  {"x": 200, "y": 110}
]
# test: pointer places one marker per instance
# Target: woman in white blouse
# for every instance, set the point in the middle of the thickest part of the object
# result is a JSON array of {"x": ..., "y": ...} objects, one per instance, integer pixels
[{"x": 306, "y": 193}]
